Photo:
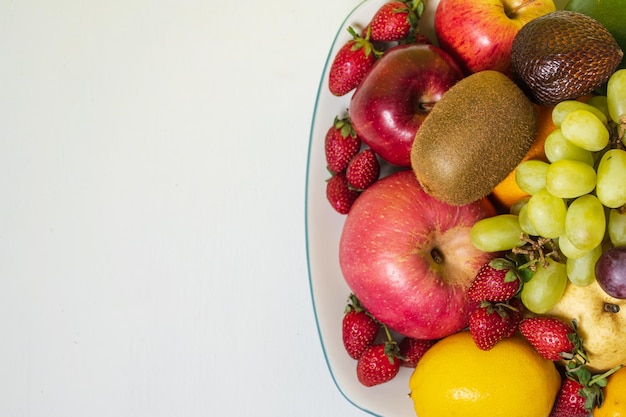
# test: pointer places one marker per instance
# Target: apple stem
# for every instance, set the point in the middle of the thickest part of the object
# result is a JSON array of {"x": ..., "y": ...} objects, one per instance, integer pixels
[
  {"x": 437, "y": 256},
  {"x": 428, "y": 106},
  {"x": 611, "y": 308},
  {"x": 511, "y": 13}
]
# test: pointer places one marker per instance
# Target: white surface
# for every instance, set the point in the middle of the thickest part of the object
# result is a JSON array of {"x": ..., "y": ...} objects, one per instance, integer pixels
[
  {"x": 152, "y": 172},
  {"x": 324, "y": 231}
]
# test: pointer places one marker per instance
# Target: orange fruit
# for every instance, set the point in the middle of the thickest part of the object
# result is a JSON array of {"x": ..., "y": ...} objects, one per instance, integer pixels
[
  {"x": 507, "y": 193},
  {"x": 614, "y": 396},
  {"x": 456, "y": 378}
]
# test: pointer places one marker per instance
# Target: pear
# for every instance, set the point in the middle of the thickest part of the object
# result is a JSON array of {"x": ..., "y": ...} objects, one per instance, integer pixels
[{"x": 601, "y": 321}]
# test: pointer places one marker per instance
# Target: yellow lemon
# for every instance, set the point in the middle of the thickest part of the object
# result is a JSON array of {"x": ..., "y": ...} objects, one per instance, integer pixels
[
  {"x": 455, "y": 378},
  {"x": 614, "y": 396}
]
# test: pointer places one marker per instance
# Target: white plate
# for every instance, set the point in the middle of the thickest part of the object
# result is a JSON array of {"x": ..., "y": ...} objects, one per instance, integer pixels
[{"x": 323, "y": 229}]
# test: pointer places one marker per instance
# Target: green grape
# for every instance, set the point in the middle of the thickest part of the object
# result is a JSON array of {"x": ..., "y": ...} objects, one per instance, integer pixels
[
  {"x": 611, "y": 185},
  {"x": 585, "y": 222},
  {"x": 547, "y": 214},
  {"x": 569, "y": 250},
  {"x": 570, "y": 179},
  {"x": 545, "y": 288},
  {"x": 498, "y": 233},
  {"x": 530, "y": 175},
  {"x": 584, "y": 129},
  {"x": 517, "y": 206},
  {"x": 617, "y": 227},
  {"x": 582, "y": 271},
  {"x": 524, "y": 222},
  {"x": 561, "y": 110},
  {"x": 616, "y": 95},
  {"x": 557, "y": 147},
  {"x": 601, "y": 103}
]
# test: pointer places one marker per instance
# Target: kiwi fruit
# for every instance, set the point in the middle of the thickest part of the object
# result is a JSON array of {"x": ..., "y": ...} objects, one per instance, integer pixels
[
  {"x": 563, "y": 55},
  {"x": 474, "y": 136}
]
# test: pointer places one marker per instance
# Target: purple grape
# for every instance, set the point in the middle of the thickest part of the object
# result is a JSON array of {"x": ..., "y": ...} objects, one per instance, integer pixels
[{"x": 611, "y": 272}]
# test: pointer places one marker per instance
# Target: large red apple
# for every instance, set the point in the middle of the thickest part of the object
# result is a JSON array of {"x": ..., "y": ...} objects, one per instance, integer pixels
[
  {"x": 397, "y": 94},
  {"x": 479, "y": 33},
  {"x": 409, "y": 259}
]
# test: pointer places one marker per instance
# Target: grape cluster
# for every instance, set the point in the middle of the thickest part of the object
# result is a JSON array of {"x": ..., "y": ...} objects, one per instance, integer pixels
[{"x": 577, "y": 197}]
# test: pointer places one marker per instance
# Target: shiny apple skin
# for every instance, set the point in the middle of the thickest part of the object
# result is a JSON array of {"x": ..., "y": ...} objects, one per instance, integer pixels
[
  {"x": 479, "y": 33},
  {"x": 385, "y": 254},
  {"x": 394, "y": 98}
]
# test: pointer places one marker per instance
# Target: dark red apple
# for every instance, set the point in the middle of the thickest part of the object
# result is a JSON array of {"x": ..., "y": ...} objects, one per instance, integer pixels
[
  {"x": 409, "y": 259},
  {"x": 397, "y": 94}
]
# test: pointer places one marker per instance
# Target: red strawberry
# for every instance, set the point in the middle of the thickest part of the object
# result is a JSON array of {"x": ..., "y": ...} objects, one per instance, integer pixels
[
  {"x": 569, "y": 401},
  {"x": 580, "y": 391},
  {"x": 359, "y": 328},
  {"x": 339, "y": 194},
  {"x": 495, "y": 281},
  {"x": 391, "y": 22},
  {"x": 363, "y": 170},
  {"x": 423, "y": 39},
  {"x": 489, "y": 324},
  {"x": 340, "y": 145},
  {"x": 516, "y": 314},
  {"x": 551, "y": 337},
  {"x": 412, "y": 350},
  {"x": 378, "y": 364},
  {"x": 351, "y": 64}
]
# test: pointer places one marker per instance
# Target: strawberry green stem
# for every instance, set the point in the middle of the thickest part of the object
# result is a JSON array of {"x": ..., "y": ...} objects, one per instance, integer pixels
[{"x": 600, "y": 379}]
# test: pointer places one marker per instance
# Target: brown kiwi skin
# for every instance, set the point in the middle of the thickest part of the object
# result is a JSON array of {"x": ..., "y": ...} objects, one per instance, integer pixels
[{"x": 473, "y": 138}]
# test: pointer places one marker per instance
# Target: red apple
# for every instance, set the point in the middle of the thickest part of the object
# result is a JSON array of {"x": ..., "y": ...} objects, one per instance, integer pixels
[
  {"x": 479, "y": 33},
  {"x": 396, "y": 95},
  {"x": 409, "y": 259}
]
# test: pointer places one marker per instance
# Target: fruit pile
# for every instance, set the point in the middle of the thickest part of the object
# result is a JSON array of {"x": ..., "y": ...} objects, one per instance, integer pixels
[
  {"x": 569, "y": 194},
  {"x": 434, "y": 126}
]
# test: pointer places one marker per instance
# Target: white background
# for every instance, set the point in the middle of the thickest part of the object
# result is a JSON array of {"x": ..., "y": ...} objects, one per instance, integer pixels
[{"x": 152, "y": 172}]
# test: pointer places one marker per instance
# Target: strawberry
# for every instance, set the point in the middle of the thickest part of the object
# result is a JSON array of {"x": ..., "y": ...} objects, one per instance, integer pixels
[
  {"x": 363, "y": 170},
  {"x": 552, "y": 338},
  {"x": 351, "y": 64},
  {"x": 489, "y": 324},
  {"x": 516, "y": 314},
  {"x": 569, "y": 401},
  {"x": 359, "y": 328},
  {"x": 412, "y": 350},
  {"x": 339, "y": 194},
  {"x": 341, "y": 144},
  {"x": 397, "y": 20},
  {"x": 495, "y": 281},
  {"x": 391, "y": 22},
  {"x": 422, "y": 39},
  {"x": 378, "y": 364},
  {"x": 580, "y": 390}
]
